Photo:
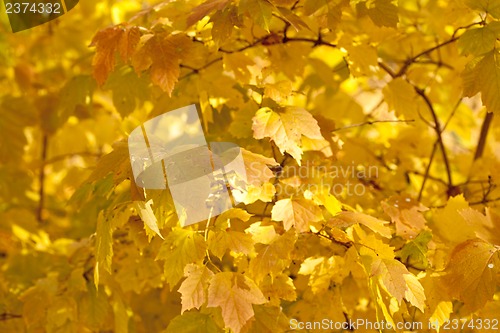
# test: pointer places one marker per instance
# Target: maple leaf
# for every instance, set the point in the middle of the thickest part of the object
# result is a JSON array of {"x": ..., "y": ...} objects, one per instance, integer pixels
[
  {"x": 472, "y": 272},
  {"x": 107, "y": 42},
  {"x": 147, "y": 215},
  {"x": 205, "y": 9},
  {"x": 406, "y": 214},
  {"x": 450, "y": 225},
  {"x": 219, "y": 242},
  {"x": 180, "y": 247},
  {"x": 346, "y": 219},
  {"x": 194, "y": 288},
  {"x": 274, "y": 257},
  {"x": 286, "y": 127},
  {"x": 257, "y": 167},
  {"x": 489, "y": 6},
  {"x": 260, "y": 10},
  {"x": 161, "y": 54},
  {"x": 296, "y": 213},
  {"x": 483, "y": 75},
  {"x": 479, "y": 41},
  {"x": 234, "y": 294},
  {"x": 116, "y": 162}
]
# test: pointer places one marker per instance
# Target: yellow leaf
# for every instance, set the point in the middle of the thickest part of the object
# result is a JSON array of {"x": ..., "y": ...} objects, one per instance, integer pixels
[
  {"x": 239, "y": 64},
  {"x": 147, "y": 215},
  {"x": 286, "y": 127},
  {"x": 180, "y": 247},
  {"x": 257, "y": 167},
  {"x": 472, "y": 272},
  {"x": 450, "y": 225},
  {"x": 103, "y": 247},
  {"x": 234, "y": 294},
  {"x": 401, "y": 97},
  {"x": 223, "y": 27},
  {"x": 414, "y": 292},
  {"x": 392, "y": 275},
  {"x": 346, "y": 219},
  {"x": 268, "y": 319},
  {"x": 362, "y": 59},
  {"x": 116, "y": 162},
  {"x": 277, "y": 288},
  {"x": 484, "y": 76},
  {"x": 296, "y": 213},
  {"x": 262, "y": 234},
  {"x": 194, "y": 288},
  {"x": 220, "y": 241},
  {"x": 260, "y": 11},
  {"x": 272, "y": 259}
]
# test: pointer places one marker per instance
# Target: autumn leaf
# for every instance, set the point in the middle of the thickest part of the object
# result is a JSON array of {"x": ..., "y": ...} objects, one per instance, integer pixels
[
  {"x": 147, "y": 215},
  {"x": 161, "y": 54},
  {"x": 103, "y": 247},
  {"x": 205, "y": 9},
  {"x": 472, "y": 272},
  {"x": 296, "y": 213},
  {"x": 345, "y": 219},
  {"x": 272, "y": 258},
  {"x": 107, "y": 43},
  {"x": 286, "y": 127},
  {"x": 180, "y": 247},
  {"x": 406, "y": 213},
  {"x": 483, "y": 76},
  {"x": 194, "y": 288},
  {"x": 234, "y": 294}
]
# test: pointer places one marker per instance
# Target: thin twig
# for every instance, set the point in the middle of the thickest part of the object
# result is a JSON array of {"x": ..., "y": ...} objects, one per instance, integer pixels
[
  {"x": 372, "y": 122},
  {"x": 41, "y": 179},
  {"x": 437, "y": 128},
  {"x": 427, "y": 171}
]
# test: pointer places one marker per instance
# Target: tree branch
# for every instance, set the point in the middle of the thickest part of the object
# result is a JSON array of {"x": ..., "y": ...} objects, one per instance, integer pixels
[{"x": 41, "y": 179}]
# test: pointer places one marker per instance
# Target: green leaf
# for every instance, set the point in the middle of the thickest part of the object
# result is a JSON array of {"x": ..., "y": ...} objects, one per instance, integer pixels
[
  {"x": 15, "y": 115},
  {"x": 383, "y": 13},
  {"x": 479, "y": 41},
  {"x": 415, "y": 251},
  {"x": 489, "y": 6},
  {"x": 76, "y": 93},
  {"x": 128, "y": 90},
  {"x": 261, "y": 11}
]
